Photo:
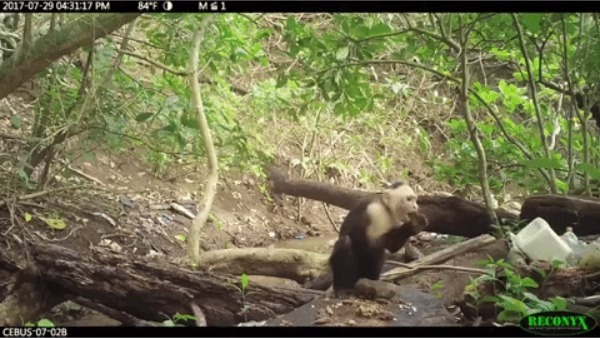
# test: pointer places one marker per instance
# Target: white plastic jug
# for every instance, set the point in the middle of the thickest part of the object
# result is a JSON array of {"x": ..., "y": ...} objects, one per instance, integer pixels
[{"x": 539, "y": 242}]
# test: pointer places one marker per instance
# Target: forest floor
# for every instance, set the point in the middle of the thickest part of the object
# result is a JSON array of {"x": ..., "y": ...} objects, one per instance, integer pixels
[
  {"x": 129, "y": 193},
  {"x": 242, "y": 217}
]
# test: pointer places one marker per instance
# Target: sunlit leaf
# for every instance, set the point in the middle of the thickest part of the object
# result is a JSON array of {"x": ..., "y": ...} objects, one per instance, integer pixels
[
  {"x": 342, "y": 53},
  {"x": 45, "y": 323},
  {"x": 54, "y": 223}
]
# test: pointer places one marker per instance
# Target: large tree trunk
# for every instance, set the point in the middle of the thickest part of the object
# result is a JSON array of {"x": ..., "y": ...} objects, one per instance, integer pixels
[
  {"x": 21, "y": 67},
  {"x": 446, "y": 214},
  {"x": 148, "y": 290},
  {"x": 582, "y": 213}
]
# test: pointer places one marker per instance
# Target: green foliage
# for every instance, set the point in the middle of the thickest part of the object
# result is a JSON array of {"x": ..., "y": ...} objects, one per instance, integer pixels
[
  {"x": 178, "y": 320},
  {"x": 512, "y": 293},
  {"x": 244, "y": 282},
  {"x": 41, "y": 323},
  {"x": 436, "y": 289},
  {"x": 351, "y": 67}
]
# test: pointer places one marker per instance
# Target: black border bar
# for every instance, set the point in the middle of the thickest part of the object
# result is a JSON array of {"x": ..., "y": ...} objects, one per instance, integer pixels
[
  {"x": 295, "y": 6},
  {"x": 316, "y": 331}
]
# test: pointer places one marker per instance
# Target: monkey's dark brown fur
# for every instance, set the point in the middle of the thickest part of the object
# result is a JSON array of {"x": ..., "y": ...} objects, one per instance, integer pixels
[{"x": 384, "y": 221}]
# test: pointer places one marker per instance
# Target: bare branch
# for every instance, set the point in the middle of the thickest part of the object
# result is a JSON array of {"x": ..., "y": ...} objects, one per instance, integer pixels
[
  {"x": 210, "y": 189},
  {"x": 534, "y": 98},
  {"x": 473, "y": 131},
  {"x": 156, "y": 63}
]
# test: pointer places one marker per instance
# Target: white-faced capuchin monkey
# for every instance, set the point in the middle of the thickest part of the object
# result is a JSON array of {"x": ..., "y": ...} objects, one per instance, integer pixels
[{"x": 382, "y": 221}]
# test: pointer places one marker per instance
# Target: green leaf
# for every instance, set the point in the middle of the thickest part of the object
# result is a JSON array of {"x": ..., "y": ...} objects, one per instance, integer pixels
[
  {"x": 513, "y": 304},
  {"x": 510, "y": 316},
  {"x": 339, "y": 108},
  {"x": 589, "y": 169},
  {"x": 529, "y": 283},
  {"x": 45, "y": 323},
  {"x": 171, "y": 128},
  {"x": 489, "y": 299},
  {"x": 562, "y": 185},
  {"x": 244, "y": 281},
  {"x": 28, "y": 217},
  {"x": 532, "y": 297},
  {"x": 559, "y": 303},
  {"x": 180, "y": 237},
  {"x": 545, "y": 163},
  {"x": 342, "y": 53},
  {"x": 143, "y": 117},
  {"x": 531, "y": 21},
  {"x": 183, "y": 317},
  {"x": 16, "y": 122},
  {"x": 54, "y": 223},
  {"x": 380, "y": 29}
]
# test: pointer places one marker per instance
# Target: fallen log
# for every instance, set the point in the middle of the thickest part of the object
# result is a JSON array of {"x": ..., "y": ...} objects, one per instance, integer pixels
[
  {"x": 581, "y": 213},
  {"x": 27, "y": 297},
  {"x": 297, "y": 265},
  {"x": 446, "y": 214},
  {"x": 148, "y": 290}
]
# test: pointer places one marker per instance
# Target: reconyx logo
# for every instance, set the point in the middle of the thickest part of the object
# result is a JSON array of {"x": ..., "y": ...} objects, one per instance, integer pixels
[{"x": 558, "y": 323}]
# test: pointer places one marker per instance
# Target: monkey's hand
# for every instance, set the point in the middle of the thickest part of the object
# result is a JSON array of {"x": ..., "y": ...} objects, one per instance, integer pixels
[{"x": 417, "y": 222}]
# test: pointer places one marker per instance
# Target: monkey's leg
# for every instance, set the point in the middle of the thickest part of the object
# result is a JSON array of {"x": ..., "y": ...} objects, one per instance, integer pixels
[
  {"x": 373, "y": 264},
  {"x": 342, "y": 261}
]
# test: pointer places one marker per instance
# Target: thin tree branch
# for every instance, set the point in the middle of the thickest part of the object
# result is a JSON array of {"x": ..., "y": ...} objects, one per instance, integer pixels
[
  {"x": 473, "y": 131},
  {"x": 538, "y": 113}
]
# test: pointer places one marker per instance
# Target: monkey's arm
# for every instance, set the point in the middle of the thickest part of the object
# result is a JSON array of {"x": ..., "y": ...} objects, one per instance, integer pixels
[
  {"x": 398, "y": 236},
  {"x": 355, "y": 220}
]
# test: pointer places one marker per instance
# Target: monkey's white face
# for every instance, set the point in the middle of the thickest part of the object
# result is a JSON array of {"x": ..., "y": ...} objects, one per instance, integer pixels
[
  {"x": 408, "y": 202},
  {"x": 403, "y": 200}
]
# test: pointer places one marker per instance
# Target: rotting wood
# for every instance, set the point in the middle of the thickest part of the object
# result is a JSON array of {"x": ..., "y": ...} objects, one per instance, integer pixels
[
  {"x": 581, "y": 213},
  {"x": 28, "y": 297},
  {"x": 145, "y": 289}
]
